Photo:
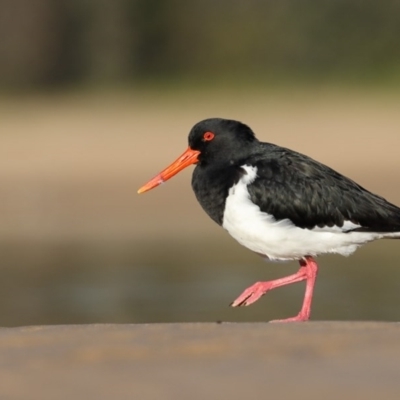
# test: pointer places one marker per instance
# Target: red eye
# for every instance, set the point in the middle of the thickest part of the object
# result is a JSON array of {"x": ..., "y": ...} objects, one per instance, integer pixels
[{"x": 208, "y": 136}]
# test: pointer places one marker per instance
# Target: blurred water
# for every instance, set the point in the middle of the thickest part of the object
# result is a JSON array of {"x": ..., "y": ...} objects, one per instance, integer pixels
[{"x": 362, "y": 287}]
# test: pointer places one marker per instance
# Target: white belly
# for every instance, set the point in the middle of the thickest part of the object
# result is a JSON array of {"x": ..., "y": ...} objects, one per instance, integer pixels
[{"x": 282, "y": 240}]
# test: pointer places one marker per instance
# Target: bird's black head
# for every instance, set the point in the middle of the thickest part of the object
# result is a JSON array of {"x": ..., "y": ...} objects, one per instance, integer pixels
[
  {"x": 220, "y": 140},
  {"x": 214, "y": 141}
]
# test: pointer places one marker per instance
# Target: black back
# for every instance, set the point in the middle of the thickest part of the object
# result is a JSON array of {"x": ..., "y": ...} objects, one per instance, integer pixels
[
  {"x": 288, "y": 184},
  {"x": 291, "y": 185}
]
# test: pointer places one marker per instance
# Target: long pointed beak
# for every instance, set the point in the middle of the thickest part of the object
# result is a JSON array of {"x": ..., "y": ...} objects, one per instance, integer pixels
[{"x": 189, "y": 157}]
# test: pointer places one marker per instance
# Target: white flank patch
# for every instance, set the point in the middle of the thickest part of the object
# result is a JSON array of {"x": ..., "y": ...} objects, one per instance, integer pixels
[{"x": 282, "y": 240}]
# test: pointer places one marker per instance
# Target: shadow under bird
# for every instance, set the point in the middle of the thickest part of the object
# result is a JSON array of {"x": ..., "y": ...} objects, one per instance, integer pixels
[{"x": 279, "y": 203}]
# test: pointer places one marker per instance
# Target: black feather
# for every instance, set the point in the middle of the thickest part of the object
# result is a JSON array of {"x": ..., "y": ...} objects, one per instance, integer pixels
[
  {"x": 289, "y": 185},
  {"x": 310, "y": 194}
]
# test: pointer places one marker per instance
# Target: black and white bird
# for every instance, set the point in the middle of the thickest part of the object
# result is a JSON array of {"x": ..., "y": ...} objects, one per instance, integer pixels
[{"x": 279, "y": 203}]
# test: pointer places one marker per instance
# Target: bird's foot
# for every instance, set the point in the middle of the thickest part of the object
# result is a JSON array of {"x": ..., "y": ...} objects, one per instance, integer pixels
[
  {"x": 252, "y": 294},
  {"x": 308, "y": 271},
  {"x": 301, "y": 317}
]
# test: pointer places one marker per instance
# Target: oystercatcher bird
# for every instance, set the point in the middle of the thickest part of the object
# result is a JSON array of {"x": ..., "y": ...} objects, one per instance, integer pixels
[{"x": 279, "y": 203}]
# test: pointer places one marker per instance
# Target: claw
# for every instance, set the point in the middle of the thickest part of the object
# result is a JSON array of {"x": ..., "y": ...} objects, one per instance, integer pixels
[{"x": 252, "y": 294}]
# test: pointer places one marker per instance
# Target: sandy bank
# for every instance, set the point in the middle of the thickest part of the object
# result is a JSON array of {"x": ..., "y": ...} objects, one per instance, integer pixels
[{"x": 317, "y": 360}]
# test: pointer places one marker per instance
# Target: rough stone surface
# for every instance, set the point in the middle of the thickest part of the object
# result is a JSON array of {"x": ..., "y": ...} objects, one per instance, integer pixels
[{"x": 316, "y": 360}]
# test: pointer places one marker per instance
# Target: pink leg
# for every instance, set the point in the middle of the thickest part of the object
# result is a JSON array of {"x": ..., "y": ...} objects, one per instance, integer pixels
[{"x": 308, "y": 271}]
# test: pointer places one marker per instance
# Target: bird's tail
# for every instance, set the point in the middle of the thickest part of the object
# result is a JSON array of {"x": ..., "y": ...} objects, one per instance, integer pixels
[{"x": 393, "y": 235}]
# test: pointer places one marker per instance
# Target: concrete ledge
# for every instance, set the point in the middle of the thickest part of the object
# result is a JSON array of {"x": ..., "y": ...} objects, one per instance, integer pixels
[{"x": 316, "y": 360}]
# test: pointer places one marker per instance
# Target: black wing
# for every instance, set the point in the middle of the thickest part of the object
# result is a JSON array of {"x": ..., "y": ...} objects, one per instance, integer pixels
[{"x": 291, "y": 185}]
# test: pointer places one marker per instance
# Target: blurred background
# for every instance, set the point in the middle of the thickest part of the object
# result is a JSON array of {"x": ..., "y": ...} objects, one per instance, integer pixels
[{"x": 97, "y": 96}]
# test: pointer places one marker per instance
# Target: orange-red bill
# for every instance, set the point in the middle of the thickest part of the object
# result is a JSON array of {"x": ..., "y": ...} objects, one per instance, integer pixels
[{"x": 189, "y": 157}]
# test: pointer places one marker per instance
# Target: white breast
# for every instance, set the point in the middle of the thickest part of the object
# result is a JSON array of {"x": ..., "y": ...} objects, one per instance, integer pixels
[{"x": 282, "y": 240}]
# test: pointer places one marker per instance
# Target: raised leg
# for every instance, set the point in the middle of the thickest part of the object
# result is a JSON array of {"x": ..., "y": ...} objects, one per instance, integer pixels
[{"x": 308, "y": 271}]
